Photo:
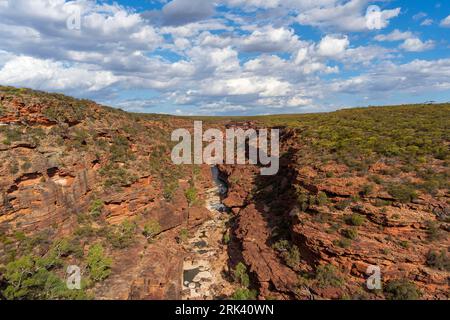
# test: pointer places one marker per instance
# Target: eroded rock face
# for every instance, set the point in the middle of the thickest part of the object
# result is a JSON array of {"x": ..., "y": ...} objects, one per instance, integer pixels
[
  {"x": 253, "y": 233},
  {"x": 36, "y": 201},
  {"x": 394, "y": 236},
  {"x": 159, "y": 278},
  {"x": 61, "y": 157}
]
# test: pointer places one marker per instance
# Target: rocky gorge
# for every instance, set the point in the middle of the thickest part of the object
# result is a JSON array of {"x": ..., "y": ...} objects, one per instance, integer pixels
[{"x": 87, "y": 185}]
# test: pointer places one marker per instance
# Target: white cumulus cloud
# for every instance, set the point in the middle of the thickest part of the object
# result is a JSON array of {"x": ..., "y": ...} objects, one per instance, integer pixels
[
  {"x": 51, "y": 75},
  {"x": 417, "y": 45}
]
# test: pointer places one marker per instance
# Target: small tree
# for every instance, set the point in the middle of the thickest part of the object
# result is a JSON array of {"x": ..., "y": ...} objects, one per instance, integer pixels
[
  {"x": 191, "y": 195},
  {"x": 98, "y": 264},
  {"x": 151, "y": 229}
]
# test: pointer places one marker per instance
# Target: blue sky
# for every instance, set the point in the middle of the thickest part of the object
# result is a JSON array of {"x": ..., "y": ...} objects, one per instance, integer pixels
[{"x": 229, "y": 57}]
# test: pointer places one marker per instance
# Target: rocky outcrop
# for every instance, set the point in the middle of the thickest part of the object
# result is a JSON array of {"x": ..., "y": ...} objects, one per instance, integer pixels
[
  {"x": 394, "y": 236},
  {"x": 253, "y": 233}
]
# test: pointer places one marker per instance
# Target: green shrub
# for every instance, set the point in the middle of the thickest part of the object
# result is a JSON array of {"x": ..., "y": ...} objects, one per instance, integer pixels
[
  {"x": 401, "y": 290},
  {"x": 244, "y": 294},
  {"x": 281, "y": 245},
  {"x": 84, "y": 231},
  {"x": 287, "y": 251},
  {"x": 367, "y": 190},
  {"x": 303, "y": 201},
  {"x": 351, "y": 234},
  {"x": 65, "y": 247},
  {"x": 80, "y": 138},
  {"x": 28, "y": 279},
  {"x": 151, "y": 229},
  {"x": 122, "y": 236},
  {"x": 120, "y": 149},
  {"x": 12, "y": 134},
  {"x": 381, "y": 203},
  {"x": 440, "y": 261},
  {"x": 404, "y": 244},
  {"x": 96, "y": 207},
  {"x": 328, "y": 276},
  {"x": 376, "y": 179},
  {"x": 322, "y": 198},
  {"x": 342, "y": 205},
  {"x": 184, "y": 235},
  {"x": 292, "y": 256},
  {"x": 240, "y": 275},
  {"x": 433, "y": 231},
  {"x": 34, "y": 277},
  {"x": 191, "y": 195},
  {"x": 115, "y": 176},
  {"x": 343, "y": 243},
  {"x": 226, "y": 238},
  {"x": 13, "y": 167},
  {"x": 98, "y": 265},
  {"x": 26, "y": 166},
  {"x": 402, "y": 192},
  {"x": 169, "y": 190},
  {"x": 355, "y": 219}
]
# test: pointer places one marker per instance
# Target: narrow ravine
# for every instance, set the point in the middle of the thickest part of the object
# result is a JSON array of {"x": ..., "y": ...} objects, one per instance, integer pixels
[{"x": 205, "y": 265}]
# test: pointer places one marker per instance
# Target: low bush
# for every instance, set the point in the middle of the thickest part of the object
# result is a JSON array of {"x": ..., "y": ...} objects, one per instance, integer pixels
[
  {"x": 96, "y": 207},
  {"x": 183, "y": 236},
  {"x": 402, "y": 192},
  {"x": 351, "y": 234},
  {"x": 342, "y": 205},
  {"x": 226, "y": 238},
  {"x": 151, "y": 229},
  {"x": 355, "y": 219},
  {"x": 122, "y": 236},
  {"x": 401, "y": 290},
  {"x": 343, "y": 243},
  {"x": 169, "y": 190},
  {"x": 367, "y": 190},
  {"x": 240, "y": 275},
  {"x": 328, "y": 276},
  {"x": 292, "y": 256},
  {"x": 244, "y": 294},
  {"x": 438, "y": 260},
  {"x": 433, "y": 231},
  {"x": 404, "y": 244},
  {"x": 322, "y": 198},
  {"x": 381, "y": 203}
]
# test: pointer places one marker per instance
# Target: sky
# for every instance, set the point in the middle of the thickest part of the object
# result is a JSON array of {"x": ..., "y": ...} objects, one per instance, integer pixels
[{"x": 229, "y": 57}]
